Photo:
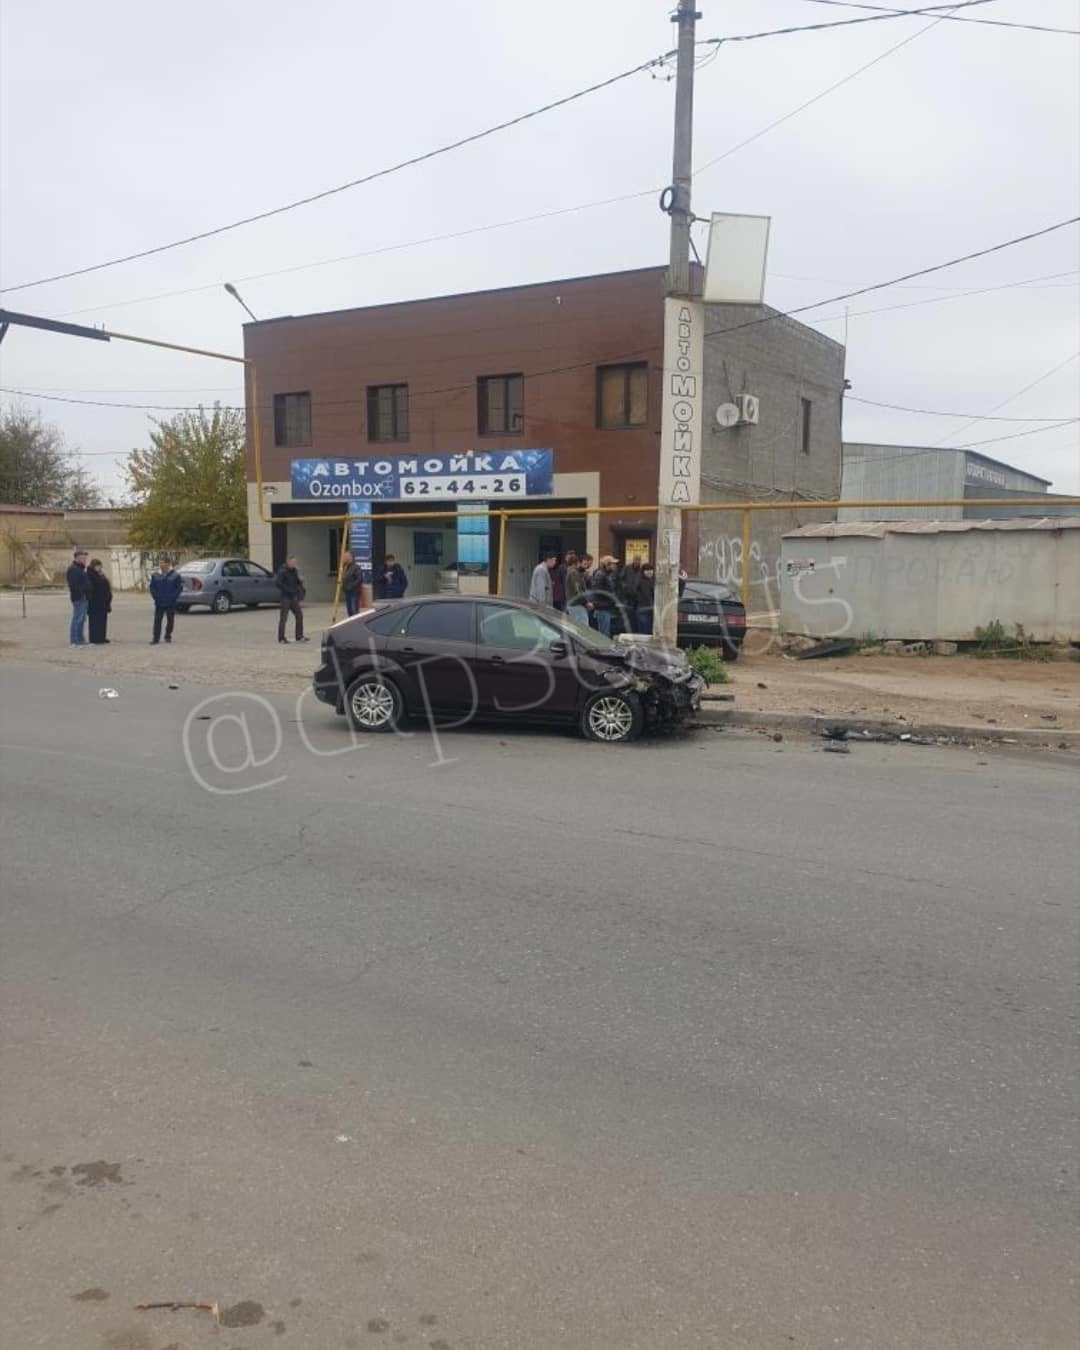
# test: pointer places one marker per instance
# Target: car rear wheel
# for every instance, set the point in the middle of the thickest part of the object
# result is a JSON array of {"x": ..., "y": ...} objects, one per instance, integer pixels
[
  {"x": 372, "y": 704},
  {"x": 221, "y": 603},
  {"x": 729, "y": 651},
  {"x": 612, "y": 717}
]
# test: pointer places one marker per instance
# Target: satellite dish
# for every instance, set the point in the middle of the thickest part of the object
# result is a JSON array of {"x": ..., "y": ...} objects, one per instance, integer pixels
[{"x": 727, "y": 415}]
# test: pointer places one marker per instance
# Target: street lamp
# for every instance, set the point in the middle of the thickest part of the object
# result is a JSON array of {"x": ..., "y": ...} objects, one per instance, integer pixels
[{"x": 239, "y": 299}]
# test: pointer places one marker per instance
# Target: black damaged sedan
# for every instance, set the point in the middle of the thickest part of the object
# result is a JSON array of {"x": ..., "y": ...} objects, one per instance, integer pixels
[{"x": 453, "y": 661}]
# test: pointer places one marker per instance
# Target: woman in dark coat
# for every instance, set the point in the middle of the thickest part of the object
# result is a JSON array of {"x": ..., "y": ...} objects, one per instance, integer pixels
[{"x": 100, "y": 600}]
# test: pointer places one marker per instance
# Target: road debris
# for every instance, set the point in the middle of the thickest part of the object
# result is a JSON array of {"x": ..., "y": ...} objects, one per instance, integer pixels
[
  {"x": 107, "y": 693},
  {"x": 174, "y": 1305},
  {"x": 837, "y": 747}
]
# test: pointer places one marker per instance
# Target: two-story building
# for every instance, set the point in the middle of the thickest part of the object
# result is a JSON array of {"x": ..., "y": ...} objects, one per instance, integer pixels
[{"x": 544, "y": 398}]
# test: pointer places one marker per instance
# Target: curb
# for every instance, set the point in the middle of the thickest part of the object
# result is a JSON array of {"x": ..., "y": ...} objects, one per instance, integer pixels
[{"x": 856, "y": 728}]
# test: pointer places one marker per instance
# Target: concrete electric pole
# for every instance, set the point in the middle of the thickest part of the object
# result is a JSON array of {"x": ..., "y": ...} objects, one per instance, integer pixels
[{"x": 680, "y": 433}]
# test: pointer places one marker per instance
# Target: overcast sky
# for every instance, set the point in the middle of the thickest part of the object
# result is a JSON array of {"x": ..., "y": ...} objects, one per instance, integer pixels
[{"x": 125, "y": 125}]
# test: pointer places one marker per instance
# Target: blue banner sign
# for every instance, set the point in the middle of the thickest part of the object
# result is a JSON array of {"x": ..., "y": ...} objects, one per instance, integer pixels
[
  {"x": 472, "y": 539},
  {"x": 467, "y": 475},
  {"x": 360, "y": 535}
]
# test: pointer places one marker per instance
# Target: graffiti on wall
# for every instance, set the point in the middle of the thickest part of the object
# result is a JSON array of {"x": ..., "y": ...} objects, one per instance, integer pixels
[{"x": 721, "y": 559}]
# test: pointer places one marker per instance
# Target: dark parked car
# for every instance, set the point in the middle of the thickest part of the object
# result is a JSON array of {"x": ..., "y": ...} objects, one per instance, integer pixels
[
  {"x": 711, "y": 615},
  {"x": 220, "y": 583},
  {"x": 461, "y": 660}
]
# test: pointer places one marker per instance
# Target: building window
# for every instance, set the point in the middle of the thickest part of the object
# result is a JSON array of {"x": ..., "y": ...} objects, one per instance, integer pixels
[
  {"x": 500, "y": 403},
  {"x": 334, "y": 556},
  {"x": 807, "y": 414},
  {"x": 622, "y": 395},
  {"x": 388, "y": 412},
  {"x": 292, "y": 419}
]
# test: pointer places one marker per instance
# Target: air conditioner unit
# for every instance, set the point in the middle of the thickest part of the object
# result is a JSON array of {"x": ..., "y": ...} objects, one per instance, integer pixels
[{"x": 748, "y": 405}]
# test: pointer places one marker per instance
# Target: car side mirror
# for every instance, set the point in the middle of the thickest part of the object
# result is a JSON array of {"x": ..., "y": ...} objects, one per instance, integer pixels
[{"x": 558, "y": 649}]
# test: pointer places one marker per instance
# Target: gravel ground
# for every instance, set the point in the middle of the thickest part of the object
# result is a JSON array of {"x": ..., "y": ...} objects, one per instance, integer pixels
[{"x": 240, "y": 650}]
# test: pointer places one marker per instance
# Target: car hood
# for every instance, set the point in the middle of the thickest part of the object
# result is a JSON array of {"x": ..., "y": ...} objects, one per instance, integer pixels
[{"x": 670, "y": 661}]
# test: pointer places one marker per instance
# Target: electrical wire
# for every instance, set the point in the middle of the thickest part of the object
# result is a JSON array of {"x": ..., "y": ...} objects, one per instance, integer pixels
[
  {"x": 839, "y": 23},
  {"x": 931, "y": 300},
  {"x": 995, "y": 23},
  {"x": 816, "y": 98},
  {"x": 1013, "y": 397},
  {"x": 366, "y": 253},
  {"x": 1013, "y": 435},
  {"x": 908, "y": 276},
  {"x": 938, "y": 412},
  {"x": 579, "y": 365},
  {"x": 355, "y": 182}
]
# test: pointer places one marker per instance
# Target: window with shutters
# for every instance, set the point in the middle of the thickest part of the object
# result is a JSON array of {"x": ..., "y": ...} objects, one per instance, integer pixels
[
  {"x": 388, "y": 412},
  {"x": 500, "y": 403},
  {"x": 292, "y": 419},
  {"x": 622, "y": 395}
]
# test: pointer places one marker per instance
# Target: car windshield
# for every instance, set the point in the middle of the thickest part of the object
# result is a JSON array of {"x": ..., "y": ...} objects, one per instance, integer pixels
[
  {"x": 200, "y": 568},
  {"x": 707, "y": 590}
]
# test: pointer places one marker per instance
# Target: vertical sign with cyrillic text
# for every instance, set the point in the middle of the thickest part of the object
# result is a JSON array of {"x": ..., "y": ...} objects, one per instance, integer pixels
[{"x": 681, "y": 406}]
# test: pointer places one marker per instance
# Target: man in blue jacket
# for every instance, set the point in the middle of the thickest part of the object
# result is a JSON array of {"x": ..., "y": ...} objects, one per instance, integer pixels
[
  {"x": 166, "y": 586},
  {"x": 79, "y": 590}
]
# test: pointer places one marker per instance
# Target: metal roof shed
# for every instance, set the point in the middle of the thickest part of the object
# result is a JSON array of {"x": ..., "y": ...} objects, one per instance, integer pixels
[{"x": 933, "y": 580}]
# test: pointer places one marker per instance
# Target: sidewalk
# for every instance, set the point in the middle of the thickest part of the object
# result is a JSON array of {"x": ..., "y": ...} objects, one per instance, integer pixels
[{"x": 988, "y": 696}]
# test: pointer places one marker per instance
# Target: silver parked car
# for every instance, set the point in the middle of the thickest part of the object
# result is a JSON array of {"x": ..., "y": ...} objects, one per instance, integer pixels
[{"x": 220, "y": 583}]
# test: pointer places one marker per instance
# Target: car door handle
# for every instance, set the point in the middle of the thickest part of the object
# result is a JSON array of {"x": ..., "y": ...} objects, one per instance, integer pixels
[
  {"x": 497, "y": 660},
  {"x": 408, "y": 649}
]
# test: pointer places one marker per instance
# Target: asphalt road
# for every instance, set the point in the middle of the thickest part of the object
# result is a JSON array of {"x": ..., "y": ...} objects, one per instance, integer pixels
[{"x": 517, "y": 1041}]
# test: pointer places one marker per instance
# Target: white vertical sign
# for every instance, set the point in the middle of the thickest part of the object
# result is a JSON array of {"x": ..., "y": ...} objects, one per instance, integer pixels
[{"x": 681, "y": 407}]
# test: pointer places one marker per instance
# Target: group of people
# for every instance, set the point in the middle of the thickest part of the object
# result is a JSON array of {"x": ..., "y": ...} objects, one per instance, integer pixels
[
  {"x": 91, "y": 599},
  {"x": 611, "y": 597},
  {"x": 390, "y": 581}
]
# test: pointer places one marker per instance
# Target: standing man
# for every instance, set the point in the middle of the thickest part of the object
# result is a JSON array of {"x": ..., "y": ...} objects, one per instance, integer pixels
[
  {"x": 576, "y": 604},
  {"x": 630, "y": 593},
  {"x": 79, "y": 590},
  {"x": 603, "y": 595},
  {"x": 165, "y": 587},
  {"x": 558, "y": 581},
  {"x": 291, "y": 593},
  {"x": 646, "y": 596},
  {"x": 352, "y": 579},
  {"x": 392, "y": 581},
  {"x": 540, "y": 587}
]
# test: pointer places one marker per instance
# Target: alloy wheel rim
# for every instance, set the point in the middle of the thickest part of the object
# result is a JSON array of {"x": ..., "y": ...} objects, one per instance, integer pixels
[
  {"x": 610, "y": 719},
  {"x": 373, "y": 705}
]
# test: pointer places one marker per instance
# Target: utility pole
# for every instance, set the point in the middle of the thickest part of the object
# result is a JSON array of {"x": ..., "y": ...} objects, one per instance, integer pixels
[{"x": 680, "y": 434}]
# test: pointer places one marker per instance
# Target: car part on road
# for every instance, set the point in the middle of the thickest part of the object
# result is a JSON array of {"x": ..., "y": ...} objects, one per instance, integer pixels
[{"x": 834, "y": 647}]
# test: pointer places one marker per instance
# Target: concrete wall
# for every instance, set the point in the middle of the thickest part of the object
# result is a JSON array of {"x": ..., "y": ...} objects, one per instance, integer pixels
[
  {"x": 781, "y": 362},
  {"x": 931, "y": 586}
]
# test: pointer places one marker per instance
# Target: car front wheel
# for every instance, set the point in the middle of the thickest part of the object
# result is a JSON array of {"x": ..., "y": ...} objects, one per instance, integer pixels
[
  {"x": 222, "y": 602},
  {"x": 372, "y": 704},
  {"x": 612, "y": 717}
]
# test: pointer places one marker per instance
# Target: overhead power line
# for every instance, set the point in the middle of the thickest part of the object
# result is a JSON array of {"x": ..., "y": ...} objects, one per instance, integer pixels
[
  {"x": 352, "y": 183},
  {"x": 939, "y": 412},
  {"x": 959, "y": 18},
  {"x": 908, "y": 276},
  {"x": 816, "y": 98},
  {"x": 1040, "y": 379},
  {"x": 651, "y": 64},
  {"x": 579, "y": 365},
  {"x": 840, "y": 23}
]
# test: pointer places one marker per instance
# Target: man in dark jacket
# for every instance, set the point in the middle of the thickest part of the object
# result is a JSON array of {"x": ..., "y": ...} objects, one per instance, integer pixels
[
  {"x": 352, "y": 580},
  {"x": 602, "y": 595},
  {"x": 166, "y": 586},
  {"x": 290, "y": 586},
  {"x": 392, "y": 581},
  {"x": 646, "y": 598},
  {"x": 629, "y": 588},
  {"x": 78, "y": 589}
]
